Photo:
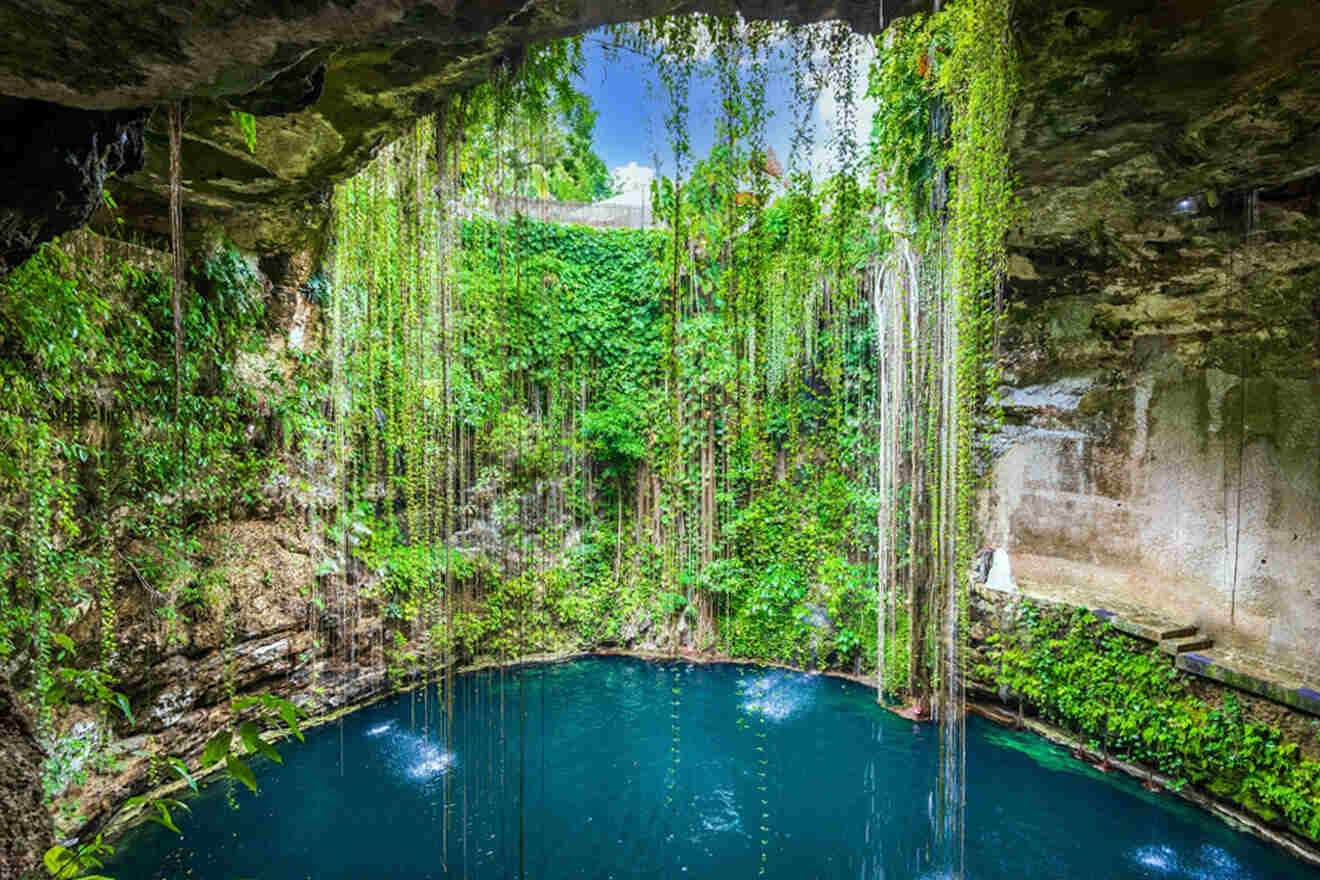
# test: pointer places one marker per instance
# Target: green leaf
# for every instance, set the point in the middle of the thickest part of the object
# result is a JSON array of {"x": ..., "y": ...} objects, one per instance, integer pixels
[
  {"x": 217, "y": 748},
  {"x": 289, "y": 713},
  {"x": 58, "y": 861},
  {"x": 164, "y": 818},
  {"x": 255, "y": 744},
  {"x": 121, "y": 702},
  {"x": 241, "y": 771},
  {"x": 182, "y": 769}
]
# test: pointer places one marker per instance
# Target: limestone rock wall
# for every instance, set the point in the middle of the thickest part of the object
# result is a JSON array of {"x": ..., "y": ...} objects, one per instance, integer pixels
[
  {"x": 28, "y": 829},
  {"x": 1161, "y": 342},
  {"x": 252, "y": 617}
]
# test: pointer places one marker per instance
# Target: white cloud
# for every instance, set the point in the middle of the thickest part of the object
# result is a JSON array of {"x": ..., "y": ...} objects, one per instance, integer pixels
[
  {"x": 829, "y": 111},
  {"x": 633, "y": 178}
]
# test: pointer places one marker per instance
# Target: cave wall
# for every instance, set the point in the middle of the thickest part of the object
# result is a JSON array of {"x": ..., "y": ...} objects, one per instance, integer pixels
[
  {"x": 1161, "y": 349},
  {"x": 1161, "y": 340},
  {"x": 28, "y": 829},
  {"x": 243, "y": 622}
]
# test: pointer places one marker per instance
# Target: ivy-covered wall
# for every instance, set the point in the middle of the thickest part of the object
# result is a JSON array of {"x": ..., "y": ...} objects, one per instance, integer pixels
[
  {"x": 565, "y": 533},
  {"x": 184, "y": 563},
  {"x": 1124, "y": 698},
  {"x": 157, "y": 551}
]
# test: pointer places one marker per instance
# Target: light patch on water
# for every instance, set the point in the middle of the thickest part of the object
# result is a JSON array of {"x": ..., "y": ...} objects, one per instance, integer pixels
[
  {"x": 719, "y": 811},
  {"x": 433, "y": 766},
  {"x": 1159, "y": 858},
  {"x": 1208, "y": 863},
  {"x": 431, "y": 761},
  {"x": 934, "y": 873},
  {"x": 1220, "y": 862},
  {"x": 411, "y": 753},
  {"x": 776, "y": 695}
]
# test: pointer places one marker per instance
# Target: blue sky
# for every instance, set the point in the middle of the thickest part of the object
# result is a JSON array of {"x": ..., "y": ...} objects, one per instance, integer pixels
[{"x": 631, "y": 127}]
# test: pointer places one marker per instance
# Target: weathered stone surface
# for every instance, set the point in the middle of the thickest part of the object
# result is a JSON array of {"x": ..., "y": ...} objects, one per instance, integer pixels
[
  {"x": 55, "y": 163},
  {"x": 1162, "y": 336},
  {"x": 28, "y": 831}
]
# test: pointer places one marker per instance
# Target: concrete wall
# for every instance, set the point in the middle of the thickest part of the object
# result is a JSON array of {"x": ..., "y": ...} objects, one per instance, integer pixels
[{"x": 1164, "y": 501}]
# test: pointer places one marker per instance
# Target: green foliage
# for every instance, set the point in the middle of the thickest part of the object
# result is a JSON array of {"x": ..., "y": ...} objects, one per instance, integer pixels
[
  {"x": 679, "y": 422},
  {"x": 62, "y": 863},
  {"x": 103, "y": 492},
  {"x": 616, "y": 434},
  {"x": 547, "y": 301},
  {"x": 221, "y": 751},
  {"x": 608, "y": 365},
  {"x": 87, "y": 432},
  {"x": 905, "y": 83},
  {"x": 247, "y": 126},
  {"x": 946, "y": 84},
  {"x": 1087, "y": 676},
  {"x": 532, "y": 134}
]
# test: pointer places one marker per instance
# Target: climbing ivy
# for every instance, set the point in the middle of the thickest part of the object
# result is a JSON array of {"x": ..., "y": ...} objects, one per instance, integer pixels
[
  {"x": 1084, "y": 675},
  {"x": 247, "y": 126},
  {"x": 96, "y": 504}
]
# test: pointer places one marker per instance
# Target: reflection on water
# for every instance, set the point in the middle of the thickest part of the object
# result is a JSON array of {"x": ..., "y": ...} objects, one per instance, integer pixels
[
  {"x": 432, "y": 761},
  {"x": 410, "y": 752},
  {"x": 1161, "y": 858},
  {"x": 718, "y": 810}
]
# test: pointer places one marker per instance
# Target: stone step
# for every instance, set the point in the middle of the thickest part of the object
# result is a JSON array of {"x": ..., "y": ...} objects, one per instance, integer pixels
[
  {"x": 1150, "y": 628},
  {"x": 1183, "y": 644},
  {"x": 1174, "y": 631}
]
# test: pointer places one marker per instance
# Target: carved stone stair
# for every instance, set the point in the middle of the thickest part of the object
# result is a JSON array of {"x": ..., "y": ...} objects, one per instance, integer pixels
[{"x": 1181, "y": 644}]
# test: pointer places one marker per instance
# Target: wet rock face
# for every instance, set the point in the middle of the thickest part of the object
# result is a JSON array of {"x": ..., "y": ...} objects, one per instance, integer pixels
[
  {"x": 56, "y": 161},
  {"x": 1161, "y": 341},
  {"x": 28, "y": 831}
]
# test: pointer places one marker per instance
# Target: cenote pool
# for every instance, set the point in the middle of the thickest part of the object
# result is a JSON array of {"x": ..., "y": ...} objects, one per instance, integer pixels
[{"x": 626, "y": 768}]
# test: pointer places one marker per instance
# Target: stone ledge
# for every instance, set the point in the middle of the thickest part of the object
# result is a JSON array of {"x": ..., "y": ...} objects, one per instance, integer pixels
[
  {"x": 1222, "y": 665},
  {"x": 1240, "y": 675}
]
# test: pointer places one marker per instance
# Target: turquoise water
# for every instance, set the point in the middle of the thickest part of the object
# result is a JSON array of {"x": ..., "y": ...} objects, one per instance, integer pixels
[{"x": 624, "y": 768}]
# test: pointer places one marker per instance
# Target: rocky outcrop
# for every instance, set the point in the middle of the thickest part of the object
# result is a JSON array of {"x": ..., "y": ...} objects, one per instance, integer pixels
[
  {"x": 1161, "y": 341},
  {"x": 255, "y": 628},
  {"x": 28, "y": 831},
  {"x": 56, "y": 163},
  {"x": 328, "y": 82}
]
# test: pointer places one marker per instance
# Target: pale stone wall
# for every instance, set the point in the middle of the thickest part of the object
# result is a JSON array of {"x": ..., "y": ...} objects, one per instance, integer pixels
[{"x": 1168, "y": 247}]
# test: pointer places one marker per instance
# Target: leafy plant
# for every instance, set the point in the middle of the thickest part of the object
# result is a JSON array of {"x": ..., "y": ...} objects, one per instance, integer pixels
[
  {"x": 247, "y": 127},
  {"x": 1085, "y": 675}
]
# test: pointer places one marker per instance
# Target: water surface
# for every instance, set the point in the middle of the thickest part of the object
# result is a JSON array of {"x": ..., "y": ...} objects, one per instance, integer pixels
[{"x": 615, "y": 767}]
